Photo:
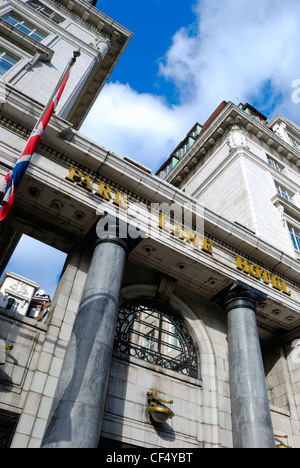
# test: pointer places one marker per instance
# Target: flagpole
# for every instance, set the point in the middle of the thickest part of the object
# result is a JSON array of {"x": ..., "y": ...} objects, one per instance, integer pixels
[
  {"x": 14, "y": 177},
  {"x": 67, "y": 70}
]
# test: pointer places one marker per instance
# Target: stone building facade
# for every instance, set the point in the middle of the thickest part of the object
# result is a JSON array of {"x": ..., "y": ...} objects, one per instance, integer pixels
[{"x": 184, "y": 286}]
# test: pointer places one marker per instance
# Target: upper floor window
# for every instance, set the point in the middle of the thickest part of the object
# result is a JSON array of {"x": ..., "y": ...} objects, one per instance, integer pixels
[
  {"x": 272, "y": 162},
  {"x": 295, "y": 236},
  {"x": 255, "y": 117},
  {"x": 25, "y": 26},
  {"x": 13, "y": 305},
  {"x": 168, "y": 169},
  {"x": 7, "y": 61},
  {"x": 284, "y": 193},
  {"x": 40, "y": 7},
  {"x": 184, "y": 149},
  {"x": 156, "y": 335}
]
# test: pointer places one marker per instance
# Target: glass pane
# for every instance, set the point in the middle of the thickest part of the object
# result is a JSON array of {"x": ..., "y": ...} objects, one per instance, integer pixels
[
  {"x": 295, "y": 236},
  {"x": 46, "y": 11},
  {"x": 37, "y": 36},
  {"x": 159, "y": 338},
  {"x": 4, "y": 67},
  {"x": 12, "y": 19},
  {"x": 293, "y": 239},
  {"x": 24, "y": 28},
  {"x": 6, "y": 62},
  {"x": 7, "y": 57},
  {"x": 10, "y": 59}
]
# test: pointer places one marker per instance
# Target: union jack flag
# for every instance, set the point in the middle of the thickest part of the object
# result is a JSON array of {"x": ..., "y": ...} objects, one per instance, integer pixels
[{"x": 12, "y": 180}]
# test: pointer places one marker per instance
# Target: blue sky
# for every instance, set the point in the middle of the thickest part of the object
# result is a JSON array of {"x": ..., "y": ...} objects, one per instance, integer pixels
[
  {"x": 153, "y": 24},
  {"x": 184, "y": 59},
  {"x": 38, "y": 262}
]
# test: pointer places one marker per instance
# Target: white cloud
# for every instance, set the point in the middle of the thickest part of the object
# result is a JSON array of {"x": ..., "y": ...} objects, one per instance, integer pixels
[
  {"x": 141, "y": 126},
  {"x": 237, "y": 50}
]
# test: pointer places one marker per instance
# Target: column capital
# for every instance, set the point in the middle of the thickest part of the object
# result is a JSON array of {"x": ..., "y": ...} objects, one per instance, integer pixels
[
  {"x": 115, "y": 240},
  {"x": 240, "y": 295},
  {"x": 110, "y": 229}
]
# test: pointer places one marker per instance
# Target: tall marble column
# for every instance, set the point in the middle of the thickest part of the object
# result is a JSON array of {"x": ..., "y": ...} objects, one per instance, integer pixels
[
  {"x": 251, "y": 417},
  {"x": 76, "y": 417}
]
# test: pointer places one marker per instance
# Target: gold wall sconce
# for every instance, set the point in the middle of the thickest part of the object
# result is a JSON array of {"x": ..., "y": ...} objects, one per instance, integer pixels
[
  {"x": 282, "y": 445},
  {"x": 4, "y": 350},
  {"x": 157, "y": 410}
]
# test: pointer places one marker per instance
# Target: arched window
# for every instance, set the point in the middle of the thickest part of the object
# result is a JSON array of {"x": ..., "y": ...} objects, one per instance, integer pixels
[{"x": 150, "y": 331}]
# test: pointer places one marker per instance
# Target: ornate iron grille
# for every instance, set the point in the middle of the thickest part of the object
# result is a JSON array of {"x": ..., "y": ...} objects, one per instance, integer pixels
[
  {"x": 8, "y": 424},
  {"x": 159, "y": 337}
]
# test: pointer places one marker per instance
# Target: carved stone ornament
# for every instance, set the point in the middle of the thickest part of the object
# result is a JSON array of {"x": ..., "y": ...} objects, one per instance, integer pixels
[
  {"x": 236, "y": 138},
  {"x": 19, "y": 288}
]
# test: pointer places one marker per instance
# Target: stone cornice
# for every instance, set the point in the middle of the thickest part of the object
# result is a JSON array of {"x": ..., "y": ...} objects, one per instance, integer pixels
[
  {"x": 205, "y": 143},
  {"x": 92, "y": 17}
]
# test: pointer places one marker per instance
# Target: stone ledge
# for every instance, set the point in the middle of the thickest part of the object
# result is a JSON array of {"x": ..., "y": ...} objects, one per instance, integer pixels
[
  {"x": 23, "y": 320},
  {"x": 24, "y": 41}
]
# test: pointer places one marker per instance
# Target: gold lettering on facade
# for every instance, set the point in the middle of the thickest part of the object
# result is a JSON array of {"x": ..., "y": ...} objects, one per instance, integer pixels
[
  {"x": 207, "y": 246},
  {"x": 192, "y": 237},
  {"x": 283, "y": 288},
  {"x": 187, "y": 236},
  {"x": 242, "y": 265},
  {"x": 276, "y": 283},
  {"x": 104, "y": 191},
  {"x": 161, "y": 223},
  {"x": 120, "y": 200},
  {"x": 74, "y": 175},
  {"x": 86, "y": 184},
  {"x": 259, "y": 273},
  {"x": 266, "y": 277},
  {"x": 178, "y": 232},
  {"x": 255, "y": 272}
]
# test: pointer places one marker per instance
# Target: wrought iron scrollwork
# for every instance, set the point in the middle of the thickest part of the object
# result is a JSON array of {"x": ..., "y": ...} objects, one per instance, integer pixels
[{"x": 154, "y": 333}]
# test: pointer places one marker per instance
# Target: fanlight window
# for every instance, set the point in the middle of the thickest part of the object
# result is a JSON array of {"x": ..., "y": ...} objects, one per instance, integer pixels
[{"x": 157, "y": 336}]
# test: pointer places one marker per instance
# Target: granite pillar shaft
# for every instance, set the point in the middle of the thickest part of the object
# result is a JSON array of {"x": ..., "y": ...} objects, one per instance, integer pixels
[
  {"x": 251, "y": 418},
  {"x": 77, "y": 412}
]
